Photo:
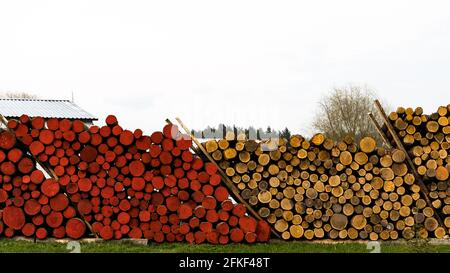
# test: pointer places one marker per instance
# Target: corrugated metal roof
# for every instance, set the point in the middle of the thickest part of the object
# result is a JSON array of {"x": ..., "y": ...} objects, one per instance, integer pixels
[{"x": 11, "y": 108}]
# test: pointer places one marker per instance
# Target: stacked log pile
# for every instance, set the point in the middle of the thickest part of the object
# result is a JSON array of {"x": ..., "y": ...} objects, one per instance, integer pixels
[
  {"x": 125, "y": 184},
  {"x": 317, "y": 189},
  {"x": 130, "y": 185},
  {"x": 30, "y": 204},
  {"x": 427, "y": 140}
]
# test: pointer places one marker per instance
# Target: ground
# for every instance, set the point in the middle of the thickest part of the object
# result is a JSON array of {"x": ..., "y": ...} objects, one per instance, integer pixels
[{"x": 7, "y": 245}]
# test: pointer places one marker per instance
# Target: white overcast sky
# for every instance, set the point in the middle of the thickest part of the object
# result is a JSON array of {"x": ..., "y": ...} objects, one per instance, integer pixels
[{"x": 243, "y": 62}]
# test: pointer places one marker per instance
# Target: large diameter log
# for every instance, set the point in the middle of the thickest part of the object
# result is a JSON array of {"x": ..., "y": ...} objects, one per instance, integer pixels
[
  {"x": 368, "y": 145},
  {"x": 13, "y": 217},
  {"x": 7, "y": 140},
  {"x": 359, "y": 222},
  {"x": 339, "y": 221}
]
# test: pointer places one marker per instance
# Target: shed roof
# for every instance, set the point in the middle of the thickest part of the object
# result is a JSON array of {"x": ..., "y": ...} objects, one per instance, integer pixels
[{"x": 14, "y": 108}]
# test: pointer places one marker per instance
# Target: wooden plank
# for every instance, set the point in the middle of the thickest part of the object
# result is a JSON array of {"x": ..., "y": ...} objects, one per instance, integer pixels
[
  {"x": 134, "y": 241},
  {"x": 85, "y": 240},
  {"x": 225, "y": 178},
  {"x": 379, "y": 130},
  {"x": 22, "y": 238},
  {"x": 431, "y": 241},
  {"x": 399, "y": 144},
  {"x": 51, "y": 173}
]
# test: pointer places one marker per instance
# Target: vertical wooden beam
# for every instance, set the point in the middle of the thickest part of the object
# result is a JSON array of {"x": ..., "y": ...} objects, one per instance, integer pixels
[
  {"x": 47, "y": 168},
  {"x": 225, "y": 178},
  {"x": 379, "y": 130},
  {"x": 400, "y": 145}
]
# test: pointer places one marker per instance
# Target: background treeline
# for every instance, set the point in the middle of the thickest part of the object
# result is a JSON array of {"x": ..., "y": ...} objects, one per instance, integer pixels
[{"x": 251, "y": 132}]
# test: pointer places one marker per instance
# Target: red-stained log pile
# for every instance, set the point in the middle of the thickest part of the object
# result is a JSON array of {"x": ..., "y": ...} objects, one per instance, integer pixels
[
  {"x": 30, "y": 204},
  {"x": 127, "y": 184},
  {"x": 316, "y": 189},
  {"x": 427, "y": 140}
]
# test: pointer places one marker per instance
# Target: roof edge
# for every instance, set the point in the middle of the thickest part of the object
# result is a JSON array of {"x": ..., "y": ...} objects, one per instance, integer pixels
[
  {"x": 24, "y": 99},
  {"x": 47, "y": 117}
]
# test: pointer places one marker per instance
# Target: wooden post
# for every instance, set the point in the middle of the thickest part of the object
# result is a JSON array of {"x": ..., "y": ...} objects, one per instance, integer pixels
[
  {"x": 225, "y": 178},
  {"x": 399, "y": 144},
  {"x": 49, "y": 172}
]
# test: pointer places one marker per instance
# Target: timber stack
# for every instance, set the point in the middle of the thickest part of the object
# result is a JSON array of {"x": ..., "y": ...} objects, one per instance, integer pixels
[
  {"x": 30, "y": 204},
  {"x": 427, "y": 141},
  {"x": 315, "y": 189},
  {"x": 126, "y": 184}
]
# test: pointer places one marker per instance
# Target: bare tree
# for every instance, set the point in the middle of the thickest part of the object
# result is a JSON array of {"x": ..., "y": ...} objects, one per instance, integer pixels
[
  {"x": 17, "y": 95},
  {"x": 345, "y": 112}
]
